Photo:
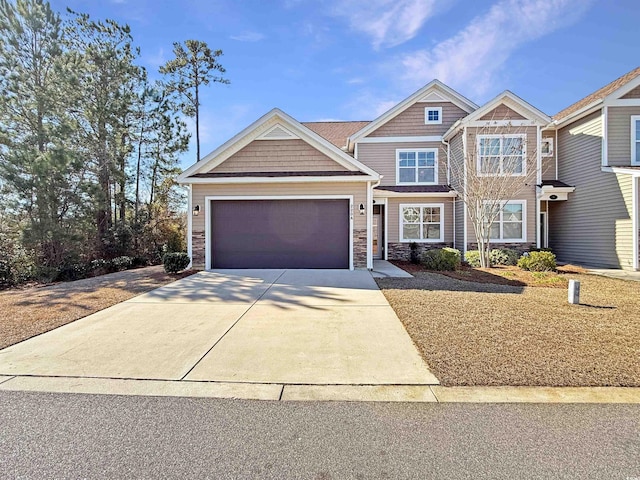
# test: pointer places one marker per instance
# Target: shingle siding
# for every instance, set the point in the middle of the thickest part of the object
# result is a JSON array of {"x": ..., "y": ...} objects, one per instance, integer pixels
[
  {"x": 411, "y": 121},
  {"x": 594, "y": 226}
]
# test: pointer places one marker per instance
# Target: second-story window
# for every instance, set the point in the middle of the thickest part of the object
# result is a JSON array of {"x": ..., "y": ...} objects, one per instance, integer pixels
[
  {"x": 501, "y": 155},
  {"x": 417, "y": 166}
]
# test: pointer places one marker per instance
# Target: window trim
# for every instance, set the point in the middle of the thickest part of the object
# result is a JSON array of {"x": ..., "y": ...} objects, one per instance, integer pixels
[
  {"x": 549, "y": 140},
  {"x": 426, "y": 116},
  {"x": 523, "y": 136},
  {"x": 420, "y": 205},
  {"x": 500, "y": 221},
  {"x": 416, "y": 150},
  {"x": 634, "y": 140}
]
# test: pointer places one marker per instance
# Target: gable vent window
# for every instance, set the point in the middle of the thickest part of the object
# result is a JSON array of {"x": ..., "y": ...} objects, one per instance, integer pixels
[{"x": 433, "y": 115}]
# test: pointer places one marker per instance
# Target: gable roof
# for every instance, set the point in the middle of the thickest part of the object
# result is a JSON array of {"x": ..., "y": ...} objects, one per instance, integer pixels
[
  {"x": 337, "y": 133},
  {"x": 432, "y": 91},
  {"x": 261, "y": 129},
  {"x": 511, "y": 100},
  {"x": 597, "y": 96}
]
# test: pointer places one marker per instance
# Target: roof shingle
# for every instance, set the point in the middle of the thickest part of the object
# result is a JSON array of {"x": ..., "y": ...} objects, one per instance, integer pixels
[{"x": 336, "y": 132}]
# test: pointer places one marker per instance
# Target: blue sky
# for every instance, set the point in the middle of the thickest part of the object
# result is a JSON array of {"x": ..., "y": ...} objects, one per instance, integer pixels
[{"x": 354, "y": 59}]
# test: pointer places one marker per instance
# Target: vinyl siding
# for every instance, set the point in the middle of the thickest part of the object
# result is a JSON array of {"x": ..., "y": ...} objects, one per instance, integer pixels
[
  {"x": 527, "y": 191},
  {"x": 357, "y": 189},
  {"x": 502, "y": 112},
  {"x": 549, "y": 163},
  {"x": 382, "y": 158},
  {"x": 276, "y": 156},
  {"x": 594, "y": 226},
  {"x": 457, "y": 165},
  {"x": 393, "y": 215},
  {"x": 411, "y": 121},
  {"x": 635, "y": 93},
  {"x": 619, "y": 134}
]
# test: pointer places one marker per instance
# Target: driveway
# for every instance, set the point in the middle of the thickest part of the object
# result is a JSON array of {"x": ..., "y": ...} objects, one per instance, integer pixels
[{"x": 268, "y": 327}]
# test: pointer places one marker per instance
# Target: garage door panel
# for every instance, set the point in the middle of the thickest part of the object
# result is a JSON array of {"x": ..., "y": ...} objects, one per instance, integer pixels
[{"x": 280, "y": 234}]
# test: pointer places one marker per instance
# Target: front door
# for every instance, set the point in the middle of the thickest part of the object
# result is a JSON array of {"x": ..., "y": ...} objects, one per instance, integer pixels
[{"x": 377, "y": 235}]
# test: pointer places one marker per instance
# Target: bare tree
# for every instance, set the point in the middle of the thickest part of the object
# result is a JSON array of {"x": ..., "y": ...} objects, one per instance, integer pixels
[{"x": 490, "y": 165}]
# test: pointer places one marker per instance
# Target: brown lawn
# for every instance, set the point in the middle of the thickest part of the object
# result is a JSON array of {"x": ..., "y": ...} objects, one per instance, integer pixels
[
  {"x": 483, "y": 333},
  {"x": 30, "y": 311}
]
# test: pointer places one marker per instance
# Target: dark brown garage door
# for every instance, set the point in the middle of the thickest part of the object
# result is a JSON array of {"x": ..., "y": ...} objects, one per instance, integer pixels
[{"x": 280, "y": 234}]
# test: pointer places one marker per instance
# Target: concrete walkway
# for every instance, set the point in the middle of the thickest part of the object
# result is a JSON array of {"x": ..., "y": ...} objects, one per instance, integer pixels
[
  {"x": 231, "y": 333},
  {"x": 616, "y": 273},
  {"x": 384, "y": 269}
]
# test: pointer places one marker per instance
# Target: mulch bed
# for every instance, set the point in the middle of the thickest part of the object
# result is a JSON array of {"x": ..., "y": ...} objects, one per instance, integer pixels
[
  {"x": 27, "y": 312},
  {"x": 480, "y": 333}
]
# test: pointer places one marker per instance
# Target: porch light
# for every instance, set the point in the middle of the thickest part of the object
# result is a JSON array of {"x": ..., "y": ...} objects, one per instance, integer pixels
[
  {"x": 361, "y": 208},
  {"x": 196, "y": 210}
]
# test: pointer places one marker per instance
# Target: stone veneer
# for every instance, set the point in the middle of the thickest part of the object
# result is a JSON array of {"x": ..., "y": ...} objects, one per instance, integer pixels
[
  {"x": 401, "y": 251},
  {"x": 518, "y": 247},
  {"x": 197, "y": 250},
  {"x": 359, "y": 248}
]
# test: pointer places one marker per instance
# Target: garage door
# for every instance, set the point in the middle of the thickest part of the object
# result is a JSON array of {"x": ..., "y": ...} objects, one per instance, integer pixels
[{"x": 280, "y": 234}]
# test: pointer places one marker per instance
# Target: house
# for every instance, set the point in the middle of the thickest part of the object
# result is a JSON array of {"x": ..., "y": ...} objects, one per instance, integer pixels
[{"x": 286, "y": 194}]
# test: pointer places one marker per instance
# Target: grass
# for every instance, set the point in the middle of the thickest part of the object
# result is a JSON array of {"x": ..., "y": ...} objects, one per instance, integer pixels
[
  {"x": 501, "y": 333},
  {"x": 27, "y": 312}
]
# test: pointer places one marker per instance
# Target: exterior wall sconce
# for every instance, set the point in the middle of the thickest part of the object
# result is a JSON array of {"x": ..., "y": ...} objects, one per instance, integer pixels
[
  {"x": 361, "y": 208},
  {"x": 196, "y": 210}
]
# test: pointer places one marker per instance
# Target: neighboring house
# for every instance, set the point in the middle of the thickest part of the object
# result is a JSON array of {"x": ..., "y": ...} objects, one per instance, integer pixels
[{"x": 285, "y": 194}]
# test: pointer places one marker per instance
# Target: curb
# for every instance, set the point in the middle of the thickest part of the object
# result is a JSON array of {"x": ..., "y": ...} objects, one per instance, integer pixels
[{"x": 342, "y": 393}]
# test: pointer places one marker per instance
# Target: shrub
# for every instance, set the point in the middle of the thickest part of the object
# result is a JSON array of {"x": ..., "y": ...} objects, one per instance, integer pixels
[
  {"x": 503, "y": 256},
  {"x": 121, "y": 263},
  {"x": 414, "y": 256},
  {"x": 139, "y": 262},
  {"x": 538, "y": 262},
  {"x": 441, "y": 259},
  {"x": 175, "y": 262},
  {"x": 72, "y": 271},
  {"x": 472, "y": 257}
]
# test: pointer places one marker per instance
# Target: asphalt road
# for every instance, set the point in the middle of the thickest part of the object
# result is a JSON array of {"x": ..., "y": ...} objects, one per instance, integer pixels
[{"x": 93, "y": 436}]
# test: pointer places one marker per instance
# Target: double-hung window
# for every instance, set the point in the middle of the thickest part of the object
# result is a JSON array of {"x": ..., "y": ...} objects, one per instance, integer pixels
[
  {"x": 501, "y": 155},
  {"x": 635, "y": 139},
  {"x": 422, "y": 222},
  {"x": 510, "y": 224},
  {"x": 417, "y": 166}
]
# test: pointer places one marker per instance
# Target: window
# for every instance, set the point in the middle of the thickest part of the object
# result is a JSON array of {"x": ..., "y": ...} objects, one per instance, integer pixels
[
  {"x": 418, "y": 166},
  {"x": 433, "y": 115},
  {"x": 546, "y": 147},
  {"x": 422, "y": 223},
  {"x": 501, "y": 155},
  {"x": 510, "y": 224},
  {"x": 635, "y": 139}
]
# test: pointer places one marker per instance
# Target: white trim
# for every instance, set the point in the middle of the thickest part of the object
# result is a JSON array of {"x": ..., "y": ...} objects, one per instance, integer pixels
[
  {"x": 504, "y": 123},
  {"x": 544, "y": 241},
  {"x": 624, "y": 89},
  {"x": 369, "y": 213},
  {"x": 557, "y": 153},
  {"x": 294, "y": 179},
  {"x": 575, "y": 116},
  {"x": 634, "y": 140},
  {"x": 538, "y": 156},
  {"x": 502, "y": 137},
  {"x": 249, "y": 134},
  {"x": 548, "y": 140},
  {"x": 435, "y": 85},
  {"x": 465, "y": 212},
  {"x": 209, "y": 198},
  {"x": 635, "y": 207},
  {"x": 524, "y": 223},
  {"x": 417, "y": 167},
  {"x": 190, "y": 226},
  {"x": 401, "y": 239},
  {"x": 453, "y": 220},
  {"x": 389, "y": 193},
  {"x": 428, "y": 138},
  {"x": 623, "y": 102},
  {"x": 539, "y": 217},
  {"x": 604, "y": 118},
  {"x": 515, "y": 103},
  {"x": 426, "y": 115},
  {"x": 287, "y": 136},
  {"x": 626, "y": 171},
  {"x": 432, "y": 97}
]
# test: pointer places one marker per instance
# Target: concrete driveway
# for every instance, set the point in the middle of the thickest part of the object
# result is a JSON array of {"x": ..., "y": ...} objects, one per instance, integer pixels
[{"x": 262, "y": 327}]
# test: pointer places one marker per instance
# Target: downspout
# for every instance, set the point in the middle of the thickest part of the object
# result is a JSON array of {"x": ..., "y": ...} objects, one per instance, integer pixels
[
  {"x": 189, "y": 225},
  {"x": 370, "y": 187},
  {"x": 444, "y": 142},
  {"x": 539, "y": 182},
  {"x": 464, "y": 180}
]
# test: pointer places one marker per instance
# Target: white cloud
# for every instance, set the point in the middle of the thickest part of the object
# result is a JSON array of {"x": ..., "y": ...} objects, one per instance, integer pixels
[
  {"x": 248, "y": 37},
  {"x": 387, "y": 22},
  {"x": 355, "y": 81},
  {"x": 473, "y": 57}
]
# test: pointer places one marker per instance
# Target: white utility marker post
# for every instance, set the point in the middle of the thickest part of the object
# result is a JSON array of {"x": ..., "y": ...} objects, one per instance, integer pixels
[{"x": 574, "y": 292}]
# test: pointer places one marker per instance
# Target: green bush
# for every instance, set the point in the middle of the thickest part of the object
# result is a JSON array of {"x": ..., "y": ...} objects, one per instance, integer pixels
[
  {"x": 472, "y": 257},
  {"x": 175, "y": 262},
  {"x": 503, "y": 256},
  {"x": 441, "y": 259},
  {"x": 69, "y": 272},
  {"x": 538, "y": 262},
  {"x": 414, "y": 256},
  {"x": 121, "y": 263}
]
